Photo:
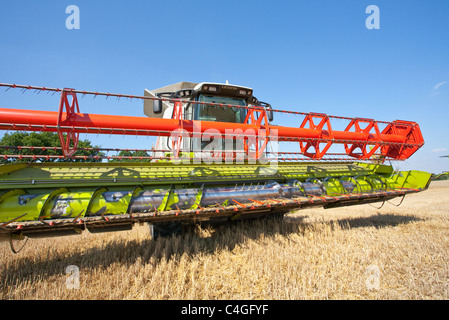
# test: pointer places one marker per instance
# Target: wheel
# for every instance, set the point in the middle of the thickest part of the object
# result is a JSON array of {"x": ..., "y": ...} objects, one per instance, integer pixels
[{"x": 165, "y": 229}]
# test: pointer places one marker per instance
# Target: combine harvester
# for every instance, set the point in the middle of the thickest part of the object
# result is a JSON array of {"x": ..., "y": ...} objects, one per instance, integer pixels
[{"x": 216, "y": 157}]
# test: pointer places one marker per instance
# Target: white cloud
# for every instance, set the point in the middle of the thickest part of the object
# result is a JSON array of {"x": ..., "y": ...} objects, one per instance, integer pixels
[
  {"x": 439, "y": 85},
  {"x": 436, "y": 87},
  {"x": 439, "y": 150}
]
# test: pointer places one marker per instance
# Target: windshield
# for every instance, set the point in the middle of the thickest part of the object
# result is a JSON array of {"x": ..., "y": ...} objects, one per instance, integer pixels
[{"x": 218, "y": 113}]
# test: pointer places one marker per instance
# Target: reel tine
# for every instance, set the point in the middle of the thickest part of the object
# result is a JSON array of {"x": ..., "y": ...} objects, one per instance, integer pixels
[
  {"x": 13, "y": 249},
  {"x": 13, "y": 220},
  {"x": 79, "y": 215}
]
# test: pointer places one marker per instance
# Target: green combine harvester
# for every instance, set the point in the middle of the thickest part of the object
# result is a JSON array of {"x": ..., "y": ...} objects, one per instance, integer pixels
[{"x": 177, "y": 184}]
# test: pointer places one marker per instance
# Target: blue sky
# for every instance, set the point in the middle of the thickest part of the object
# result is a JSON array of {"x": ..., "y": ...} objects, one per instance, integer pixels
[{"x": 310, "y": 56}]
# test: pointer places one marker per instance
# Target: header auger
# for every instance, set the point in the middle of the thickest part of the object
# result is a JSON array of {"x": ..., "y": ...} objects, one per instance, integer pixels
[{"x": 217, "y": 156}]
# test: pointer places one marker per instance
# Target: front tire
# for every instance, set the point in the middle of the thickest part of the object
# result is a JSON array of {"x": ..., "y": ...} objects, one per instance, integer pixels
[{"x": 165, "y": 229}]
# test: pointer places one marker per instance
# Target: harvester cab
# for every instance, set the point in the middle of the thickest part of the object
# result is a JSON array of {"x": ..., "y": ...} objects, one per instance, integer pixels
[{"x": 206, "y": 101}]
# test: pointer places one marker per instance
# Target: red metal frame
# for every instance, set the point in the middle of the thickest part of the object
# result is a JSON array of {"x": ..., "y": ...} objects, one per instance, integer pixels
[
  {"x": 257, "y": 117},
  {"x": 178, "y": 134},
  {"x": 69, "y": 140},
  {"x": 325, "y": 133},
  {"x": 371, "y": 129},
  {"x": 398, "y": 141},
  {"x": 411, "y": 133}
]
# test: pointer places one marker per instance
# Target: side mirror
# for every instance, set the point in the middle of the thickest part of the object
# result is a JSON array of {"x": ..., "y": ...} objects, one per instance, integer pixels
[
  {"x": 270, "y": 115},
  {"x": 157, "y": 106}
]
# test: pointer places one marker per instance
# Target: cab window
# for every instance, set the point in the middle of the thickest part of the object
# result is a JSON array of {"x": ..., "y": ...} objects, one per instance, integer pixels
[{"x": 220, "y": 113}]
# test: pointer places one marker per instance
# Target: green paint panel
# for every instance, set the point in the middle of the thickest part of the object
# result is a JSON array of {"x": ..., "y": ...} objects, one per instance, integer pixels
[{"x": 64, "y": 190}]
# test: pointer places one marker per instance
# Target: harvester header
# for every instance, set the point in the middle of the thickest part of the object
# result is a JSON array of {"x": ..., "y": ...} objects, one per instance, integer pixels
[{"x": 217, "y": 157}]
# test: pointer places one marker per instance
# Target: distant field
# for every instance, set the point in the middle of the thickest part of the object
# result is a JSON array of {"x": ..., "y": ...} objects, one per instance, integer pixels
[{"x": 347, "y": 253}]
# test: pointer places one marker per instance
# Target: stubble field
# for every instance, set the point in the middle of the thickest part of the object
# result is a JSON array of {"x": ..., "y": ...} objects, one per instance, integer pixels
[{"x": 358, "y": 252}]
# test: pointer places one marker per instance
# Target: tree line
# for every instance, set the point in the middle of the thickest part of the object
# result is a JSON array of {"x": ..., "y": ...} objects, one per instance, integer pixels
[{"x": 10, "y": 141}]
